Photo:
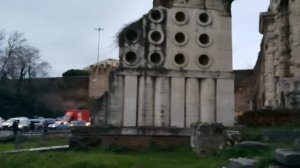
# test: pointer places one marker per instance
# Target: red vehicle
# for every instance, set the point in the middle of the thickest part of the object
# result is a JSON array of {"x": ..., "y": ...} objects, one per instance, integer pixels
[{"x": 73, "y": 115}]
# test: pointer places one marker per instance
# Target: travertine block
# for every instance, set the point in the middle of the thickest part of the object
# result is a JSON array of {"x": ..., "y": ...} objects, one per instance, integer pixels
[
  {"x": 162, "y": 102},
  {"x": 208, "y": 101},
  {"x": 225, "y": 101},
  {"x": 130, "y": 101},
  {"x": 145, "y": 101},
  {"x": 192, "y": 101},
  {"x": 117, "y": 101},
  {"x": 177, "y": 102}
]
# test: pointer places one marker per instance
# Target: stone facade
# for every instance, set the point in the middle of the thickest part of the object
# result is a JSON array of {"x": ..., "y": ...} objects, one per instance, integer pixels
[
  {"x": 175, "y": 67},
  {"x": 278, "y": 66}
]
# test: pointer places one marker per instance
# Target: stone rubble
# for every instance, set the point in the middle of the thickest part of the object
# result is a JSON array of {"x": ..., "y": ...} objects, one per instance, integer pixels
[
  {"x": 242, "y": 163},
  {"x": 287, "y": 157}
]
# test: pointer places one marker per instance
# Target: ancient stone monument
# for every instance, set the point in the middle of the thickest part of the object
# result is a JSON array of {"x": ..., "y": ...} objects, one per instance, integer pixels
[
  {"x": 279, "y": 59},
  {"x": 175, "y": 67}
]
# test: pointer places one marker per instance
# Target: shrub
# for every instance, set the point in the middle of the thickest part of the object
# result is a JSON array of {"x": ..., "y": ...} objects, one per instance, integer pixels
[{"x": 75, "y": 72}]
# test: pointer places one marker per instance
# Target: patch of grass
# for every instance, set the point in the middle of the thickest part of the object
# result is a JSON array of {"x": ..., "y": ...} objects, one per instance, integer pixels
[
  {"x": 252, "y": 134},
  {"x": 179, "y": 157},
  {"x": 172, "y": 158},
  {"x": 33, "y": 142},
  {"x": 118, "y": 157}
]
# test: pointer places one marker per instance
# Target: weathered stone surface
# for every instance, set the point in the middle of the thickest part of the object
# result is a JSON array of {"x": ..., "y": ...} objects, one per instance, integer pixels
[
  {"x": 225, "y": 101},
  {"x": 287, "y": 157},
  {"x": 208, "y": 101},
  {"x": 277, "y": 68},
  {"x": 206, "y": 139},
  {"x": 276, "y": 166},
  {"x": 242, "y": 163},
  {"x": 232, "y": 136},
  {"x": 253, "y": 144},
  {"x": 177, "y": 102},
  {"x": 6, "y": 136},
  {"x": 282, "y": 136},
  {"x": 192, "y": 101},
  {"x": 162, "y": 102}
]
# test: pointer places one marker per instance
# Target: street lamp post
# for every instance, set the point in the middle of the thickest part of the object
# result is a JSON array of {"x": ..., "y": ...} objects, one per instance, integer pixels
[{"x": 99, "y": 30}]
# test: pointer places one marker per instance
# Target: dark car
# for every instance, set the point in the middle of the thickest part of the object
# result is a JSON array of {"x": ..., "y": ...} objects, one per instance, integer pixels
[{"x": 77, "y": 123}]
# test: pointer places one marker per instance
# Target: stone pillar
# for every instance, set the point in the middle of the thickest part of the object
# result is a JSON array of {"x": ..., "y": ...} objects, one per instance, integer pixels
[
  {"x": 130, "y": 101},
  {"x": 282, "y": 61},
  {"x": 208, "y": 101},
  {"x": 294, "y": 20},
  {"x": 225, "y": 101},
  {"x": 282, "y": 30},
  {"x": 177, "y": 102},
  {"x": 192, "y": 101},
  {"x": 145, "y": 101},
  {"x": 117, "y": 101},
  {"x": 162, "y": 102},
  {"x": 269, "y": 72}
]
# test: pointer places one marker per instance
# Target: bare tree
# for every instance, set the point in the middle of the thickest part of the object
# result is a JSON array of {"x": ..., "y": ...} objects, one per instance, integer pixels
[
  {"x": 1, "y": 42},
  {"x": 20, "y": 60},
  {"x": 14, "y": 44}
]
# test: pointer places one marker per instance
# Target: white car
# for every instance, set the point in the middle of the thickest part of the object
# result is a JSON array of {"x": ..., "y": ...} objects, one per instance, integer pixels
[{"x": 23, "y": 123}]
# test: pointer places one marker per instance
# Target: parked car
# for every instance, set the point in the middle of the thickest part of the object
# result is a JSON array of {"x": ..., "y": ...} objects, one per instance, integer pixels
[
  {"x": 50, "y": 120},
  {"x": 38, "y": 124},
  {"x": 77, "y": 123},
  {"x": 58, "y": 126},
  {"x": 23, "y": 123}
]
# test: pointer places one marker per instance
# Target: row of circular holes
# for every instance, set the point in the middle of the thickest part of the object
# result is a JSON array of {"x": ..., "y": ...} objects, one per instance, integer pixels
[
  {"x": 180, "y": 38},
  {"x": 203, "y": 18},
  {"x": 156, "y": 15},
  {"x": 156, "y": 58},
  {"x": 181, "y": 18},
  {"x": 157, "y": 37}
]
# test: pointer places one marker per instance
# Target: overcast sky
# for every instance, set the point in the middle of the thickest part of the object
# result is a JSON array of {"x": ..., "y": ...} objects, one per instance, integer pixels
[{"x": 63, "y": 30}]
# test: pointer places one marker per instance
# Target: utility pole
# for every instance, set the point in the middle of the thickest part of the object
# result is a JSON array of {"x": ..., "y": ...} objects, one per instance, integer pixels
[{"x": 99, "y": 30}]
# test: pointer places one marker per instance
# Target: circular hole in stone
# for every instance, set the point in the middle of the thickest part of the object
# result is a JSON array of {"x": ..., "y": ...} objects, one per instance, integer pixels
[
  {"x": 179, "y": 59},
  {"x": 203, "y": 60},
  {"x": 156, "y": 15},
  {"x": 156, "y": 36},
  {"x": 204, "y": 39},
  {"x": 180, "y": 16},
  {"x": 131, "y": 57},
  {"x": 180, "y": 37},
  {"x": 204, "y": 17},
  {"x": 155, "y": 58},
  {"x": 131, "y": 35}
]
